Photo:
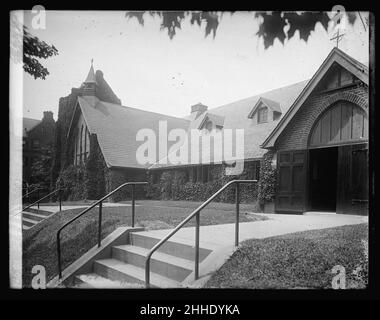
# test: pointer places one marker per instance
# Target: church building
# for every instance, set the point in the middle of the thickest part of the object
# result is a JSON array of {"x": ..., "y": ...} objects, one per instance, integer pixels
[{"x": 313, "y": 135}]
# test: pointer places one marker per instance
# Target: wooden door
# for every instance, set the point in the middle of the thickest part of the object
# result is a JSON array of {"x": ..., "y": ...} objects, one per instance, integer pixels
[
  {"x": 291, "y": 181},
  {"x": 352, "y": 193}
]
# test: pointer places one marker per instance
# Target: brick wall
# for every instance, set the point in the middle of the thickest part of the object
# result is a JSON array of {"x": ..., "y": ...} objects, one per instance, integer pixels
[
  {"x": 43, "y": 133},
  {"x": 295, "y": 135}
]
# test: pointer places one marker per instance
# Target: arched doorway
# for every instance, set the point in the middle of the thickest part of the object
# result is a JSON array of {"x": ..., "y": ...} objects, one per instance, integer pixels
[{"x": 338, "y": 160}]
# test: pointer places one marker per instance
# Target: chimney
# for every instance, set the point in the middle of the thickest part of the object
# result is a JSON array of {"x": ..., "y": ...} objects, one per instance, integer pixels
[
  {"x": 198, "y": 109},
  {"x": 48, "y": 115}
]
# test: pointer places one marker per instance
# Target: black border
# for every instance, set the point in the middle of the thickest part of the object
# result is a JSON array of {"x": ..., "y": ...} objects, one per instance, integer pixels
[{"x": 226, "y": 296}]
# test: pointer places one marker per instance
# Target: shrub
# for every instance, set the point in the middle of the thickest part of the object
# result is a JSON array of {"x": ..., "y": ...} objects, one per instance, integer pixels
[{"x": 267, "y": 182}]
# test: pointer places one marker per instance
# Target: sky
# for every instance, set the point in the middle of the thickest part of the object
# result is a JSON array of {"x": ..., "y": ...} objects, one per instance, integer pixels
[{"x": 149, "y": 71}]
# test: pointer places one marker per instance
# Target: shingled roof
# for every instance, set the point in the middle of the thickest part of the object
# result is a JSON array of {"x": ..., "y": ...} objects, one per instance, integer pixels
[
  {"x": 116, "y": 127},
  {"x": 236, "y": 117},
  {"x": 28, "y": 124}
]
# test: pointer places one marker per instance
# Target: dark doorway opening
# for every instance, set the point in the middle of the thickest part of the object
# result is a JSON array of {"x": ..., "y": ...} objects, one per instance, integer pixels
[{"x": 323, "y": 179}]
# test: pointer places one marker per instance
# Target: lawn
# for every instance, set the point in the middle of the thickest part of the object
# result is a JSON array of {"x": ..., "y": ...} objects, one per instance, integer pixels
[
  {"x": 297, "y": 260},
  {"x": 39, "y": 243}
]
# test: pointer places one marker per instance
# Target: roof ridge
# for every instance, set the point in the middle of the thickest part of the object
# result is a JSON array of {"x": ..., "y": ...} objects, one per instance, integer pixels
[
  {"x": 260, "y": 94},
  {"x": 31, "y": 119},
  {"x": 147, "y": 111}
]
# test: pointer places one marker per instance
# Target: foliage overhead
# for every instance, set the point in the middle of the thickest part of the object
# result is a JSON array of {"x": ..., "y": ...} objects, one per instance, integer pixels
[
  {"x": 35, "y": 48},
  {"x": 272, "y": 25}
]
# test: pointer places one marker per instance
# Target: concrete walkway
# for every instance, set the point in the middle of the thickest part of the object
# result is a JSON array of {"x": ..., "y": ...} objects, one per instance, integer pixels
[
  {"x": 54, "y": 209},
  {"x": 217, "y": 236}
]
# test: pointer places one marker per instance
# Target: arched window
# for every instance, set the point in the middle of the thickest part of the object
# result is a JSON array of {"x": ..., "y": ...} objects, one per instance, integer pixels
[
  {"x": 85, "y": 144},
  {"x": 342, "y": 123},
  {"x": 81, "y": 144}
]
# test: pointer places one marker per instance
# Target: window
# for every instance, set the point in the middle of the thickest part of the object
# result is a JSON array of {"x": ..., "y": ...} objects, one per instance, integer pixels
[
  {"x": 81, "y": 145},
  {"x": 254, "y": 170},
  {"x": 262, "y": 115},
  {"x": 208, "y": 125},
  {"x": 194, "y": 174},
  {"x": 201, "y": 173},
  {"x": 156, "y": 176},
  {"x": 205, "y": 173},
  {"x": 187, "y": 175}
]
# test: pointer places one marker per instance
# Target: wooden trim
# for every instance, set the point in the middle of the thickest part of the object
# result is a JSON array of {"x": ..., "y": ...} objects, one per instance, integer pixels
[{"x": 335, "y": 55}]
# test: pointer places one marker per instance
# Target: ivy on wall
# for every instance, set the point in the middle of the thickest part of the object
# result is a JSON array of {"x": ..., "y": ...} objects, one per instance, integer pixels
[
  {"x": 174, "y": 185},
  {"x": 267, "y": 182},
  {"x": 72, "y": 181},
  {"x": 85, "y": 181},
  {"x": 96, "y": 170}
]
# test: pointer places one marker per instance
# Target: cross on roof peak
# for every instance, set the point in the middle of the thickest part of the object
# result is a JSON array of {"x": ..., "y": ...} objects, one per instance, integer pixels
[{"x": 338, "y": 37}]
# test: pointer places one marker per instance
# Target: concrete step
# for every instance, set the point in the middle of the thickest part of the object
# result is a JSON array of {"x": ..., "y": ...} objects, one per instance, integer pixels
[
  {"x": 127, "y": 273},
  {"x": 161, "y": 263},
  {"x": 95, "y": 281},
  {"x": 172, "y": 248},
  {"x": 40, "y": 211},
  {"x": 29, "y": 222},
  {"x": 33, "y": 216}
]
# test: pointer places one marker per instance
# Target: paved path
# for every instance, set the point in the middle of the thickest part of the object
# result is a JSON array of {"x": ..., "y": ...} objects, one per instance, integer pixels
[
  {"x": 55, "y": 209},
  {"x": 216, "y": 236}
]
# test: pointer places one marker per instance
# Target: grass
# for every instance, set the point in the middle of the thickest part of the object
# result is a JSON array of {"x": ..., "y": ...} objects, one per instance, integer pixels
[
  {"x": 298, "y": 260},
  {"x": 39, "y": 243}
]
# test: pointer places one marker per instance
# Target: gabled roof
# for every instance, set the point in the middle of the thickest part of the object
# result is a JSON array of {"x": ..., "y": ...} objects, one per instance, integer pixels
[
  {"x": 216, "y": 119},
  {"x": 273, "y": 105},
  {"x": 116, "y": 127},
  {"x": 28, "y": 124},
  {"x": 235, "y": 117},
  {"x": 335, "y": 56}
]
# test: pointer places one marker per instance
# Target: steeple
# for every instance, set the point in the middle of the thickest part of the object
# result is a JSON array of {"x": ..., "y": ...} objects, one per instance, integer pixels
[
  {"x": 91, "y": 74},
  {"x": 89, "y": 85}
]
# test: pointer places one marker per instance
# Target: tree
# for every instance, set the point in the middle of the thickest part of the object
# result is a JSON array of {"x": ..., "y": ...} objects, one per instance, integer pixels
[
  {"x": 271, "y": 26},
  {"x": 30, "y": 48},
  {"x": 36, "y": 48}
]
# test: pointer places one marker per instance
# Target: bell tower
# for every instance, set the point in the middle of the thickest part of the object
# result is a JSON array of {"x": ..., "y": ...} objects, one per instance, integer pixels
[{"x": 89, "y": 85}]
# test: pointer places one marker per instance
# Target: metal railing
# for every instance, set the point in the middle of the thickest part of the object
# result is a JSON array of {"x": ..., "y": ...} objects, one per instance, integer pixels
[
  {"x": 100, "y": 203},
  {"x": 196, "y": 213},
  {"x": 43, "y": 198},
  {"x": 28, "y": 193}
]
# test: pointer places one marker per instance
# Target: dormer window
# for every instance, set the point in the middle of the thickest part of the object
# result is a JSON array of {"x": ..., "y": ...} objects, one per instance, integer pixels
[
  {"x": 265, "y": 110},
  {"x": 211, "y": 122},
  {"x": 208, "y": 125},
  {"x": 262, "y": 115}
]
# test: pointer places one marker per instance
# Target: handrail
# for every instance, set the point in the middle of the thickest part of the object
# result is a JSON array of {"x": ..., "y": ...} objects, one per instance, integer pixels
[
  {"x": 43, "y": 198},
  {"x": 100, "y": 203},
  {"x": 187, "y": 219},
  {"x": 30, "y": 192}
]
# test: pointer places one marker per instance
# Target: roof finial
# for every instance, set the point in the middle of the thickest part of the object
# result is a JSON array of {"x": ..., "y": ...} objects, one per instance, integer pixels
[{"x": 92, "y": 61}]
